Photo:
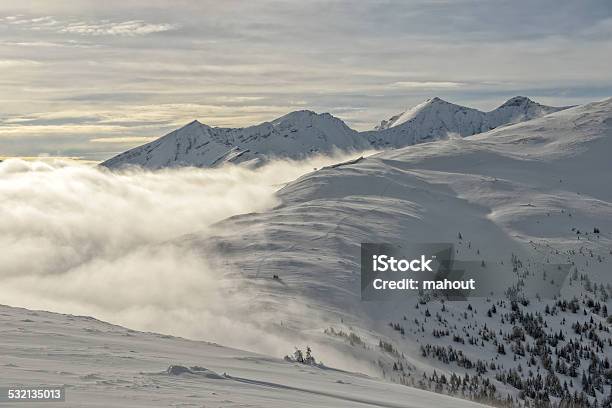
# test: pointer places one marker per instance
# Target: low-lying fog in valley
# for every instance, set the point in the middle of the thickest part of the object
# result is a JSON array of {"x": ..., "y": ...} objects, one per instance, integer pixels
[{"x": 85, "y": 240}]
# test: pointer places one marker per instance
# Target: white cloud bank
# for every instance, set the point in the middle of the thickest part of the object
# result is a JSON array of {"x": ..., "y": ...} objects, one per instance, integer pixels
[{"x": 84, "y": 240}]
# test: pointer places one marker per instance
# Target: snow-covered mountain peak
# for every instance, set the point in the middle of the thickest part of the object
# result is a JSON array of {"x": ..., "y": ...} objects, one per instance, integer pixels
[
  {"x": 296, "y": 116},
  {"x": 193, "y": 126},
  {"x": 436, "y": 100},
  {"x": 170, "y": 149},
  {"x": 518, "y": 109},
  {"x": 518, "y": 101},
  {"x": 307, "y": 118},
  {"x": 304, "y": 132},
  {"x": 193, "y": 130},
  {"x": 294, "y": 135},
  {"x": 434, "y": 103},
  {"x": 436, "y": 119},
  {"x": 433, "y": 106}
]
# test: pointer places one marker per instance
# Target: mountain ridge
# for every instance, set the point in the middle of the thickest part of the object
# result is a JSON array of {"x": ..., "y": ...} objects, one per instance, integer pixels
[
  {"x": 302, "y": 133},
  {"x": 436, "y": 118},
  {"x": 516, "y": 101}
]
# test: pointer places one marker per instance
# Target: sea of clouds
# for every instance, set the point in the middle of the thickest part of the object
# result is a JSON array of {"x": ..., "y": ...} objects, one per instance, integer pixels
[{"x": 85, "y": 240}]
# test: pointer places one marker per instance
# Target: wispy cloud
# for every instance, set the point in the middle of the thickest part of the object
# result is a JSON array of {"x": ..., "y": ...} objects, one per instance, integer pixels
[
  {"x": 126, "y": 139},
  {"x": 30, "y": 22},
  {"x": 93, "y": 27},
  {"x": 5, "y": 63},
  {"x": 125, "y": 28},
  {"x": 427, "y": 84}
]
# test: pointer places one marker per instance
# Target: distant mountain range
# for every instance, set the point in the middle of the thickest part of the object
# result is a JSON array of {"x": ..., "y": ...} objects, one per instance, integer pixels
[{"x": 302, "y": 133}]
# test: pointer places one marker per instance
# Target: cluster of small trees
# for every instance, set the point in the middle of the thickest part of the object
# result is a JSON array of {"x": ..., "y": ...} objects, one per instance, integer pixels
[
  {"x": 303, "y": 358},
  {"x": 475, "y": 388}
]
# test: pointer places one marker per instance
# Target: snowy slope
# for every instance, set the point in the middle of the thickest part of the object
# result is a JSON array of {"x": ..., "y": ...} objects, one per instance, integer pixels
[
  {"x": 103, "y": 365},
  {"x": 523, "y": 190},
  {"x": 518, "y": 109},
  {"x": 295, "y": 135},
  {"x": 437, "y": 119},
  {"x": 303, "y": 133}
]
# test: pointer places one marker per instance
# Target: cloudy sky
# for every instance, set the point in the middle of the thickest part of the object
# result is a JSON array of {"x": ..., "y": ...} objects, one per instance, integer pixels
[{"x": 89, "y": 79}]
